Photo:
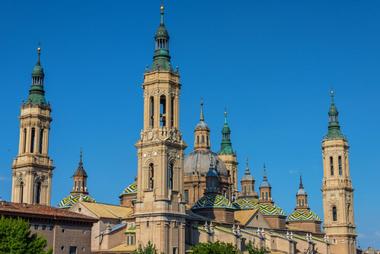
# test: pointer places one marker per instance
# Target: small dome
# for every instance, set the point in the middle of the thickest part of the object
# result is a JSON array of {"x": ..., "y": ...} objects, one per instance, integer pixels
[
  {"x": 130, "y": 189},
  {"x": 37, "y": 70},
  {"x": 162, "y": 32},
  {"x": 265, "y": 184},
  {"x": 301, "y": 191},
  {"x": 213, "y": 200},
  {"x": 200, "y": 161},
  {"x": 202, "y": 125},
  {"x": 72, "y": 199},
  {"x": 303, "y": 215}
]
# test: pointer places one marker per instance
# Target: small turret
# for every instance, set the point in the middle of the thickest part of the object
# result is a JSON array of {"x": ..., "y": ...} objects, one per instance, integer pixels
[
  {"x": 248, "y": 184},
  {"x": 37, "y": 92},
  {"x": 202, "y": 133},
  {"x": 265, "y": 189}
]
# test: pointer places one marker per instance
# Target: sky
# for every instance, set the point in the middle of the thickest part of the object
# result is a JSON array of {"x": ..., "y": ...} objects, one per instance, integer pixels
[{"x": 270, "y": 63}]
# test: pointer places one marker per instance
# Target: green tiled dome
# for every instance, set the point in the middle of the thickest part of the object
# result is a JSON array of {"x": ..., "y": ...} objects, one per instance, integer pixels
[
  {"x": 130, "y": 189},
  {"x": 265, "y": 209},
  {"x": 72, "y": 199},
  {"x": 245, "y": 204},
  {"x": 213, "y": 200},
  {"x": 303, "y": 215}
]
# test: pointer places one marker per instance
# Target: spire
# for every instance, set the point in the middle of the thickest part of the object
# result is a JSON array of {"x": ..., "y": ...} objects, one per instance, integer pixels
[
  {"x": 36, "y": 92},
  {"x": 226, "y": 145},
  {"x": 265, "y": 182},
  {"x": 80, "y": 170},
  {"x": 301, "y": 184},
  {"x": 161, "y": 59},
  {"x": 334, "y": 131},
  {"x": 247, "y": 172},
  {"x": 202, "y": 117}
]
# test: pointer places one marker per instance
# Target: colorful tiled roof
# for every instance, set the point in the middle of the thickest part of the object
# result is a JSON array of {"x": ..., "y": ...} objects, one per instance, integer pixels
[
  {"x": 130, "y": 189},
  {"x": 265, "y": 209},
  {"x": 74, "y": 198},
  {"x": 213, "y": 200},
  {"x": 245, "y": 204},
  {"x": 303, "y": 215}
]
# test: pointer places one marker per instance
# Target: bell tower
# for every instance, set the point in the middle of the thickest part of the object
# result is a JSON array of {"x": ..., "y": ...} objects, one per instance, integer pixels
[
  {"x": 160, "y": 206},
  {"x": 32, "y": 170},
  {"x": 337, "y": 190}
]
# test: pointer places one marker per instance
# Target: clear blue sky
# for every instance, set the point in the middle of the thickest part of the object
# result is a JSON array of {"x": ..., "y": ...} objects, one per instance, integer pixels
[{"x": 271, "y": 63}]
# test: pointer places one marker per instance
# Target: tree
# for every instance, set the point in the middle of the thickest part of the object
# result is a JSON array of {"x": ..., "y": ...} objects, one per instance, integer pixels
[
  {"x": 16, "y": 237},
  {"x": 253, "y": 250},
  {"x": 148, "y": 249},
  {"x": 214, "y": 248}
]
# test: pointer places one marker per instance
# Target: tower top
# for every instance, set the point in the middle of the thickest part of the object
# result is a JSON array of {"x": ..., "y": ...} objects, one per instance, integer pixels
[
  {"x": 161, "y": 58},
  {"x": 301, "y": 190},
  {"x": 334, "y": 131},
  {"x": 265, "y": 182},
  {"x": 37, "y": 92},
  {"x": 226, "y": 145},
  {"x": 247, "y": 172},
  {"x": 81, "y": 172}
]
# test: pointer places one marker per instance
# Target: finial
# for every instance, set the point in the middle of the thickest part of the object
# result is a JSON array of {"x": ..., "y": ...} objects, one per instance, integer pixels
[
  {"x": 81, "y": 156},
  {"x": 247, "y": 167},
  {"x": 39, "y": 53},
  {"x": 162, "y": 8},
  {"x": 265, "y": 173},
  {"x": 301, "y": 184},
  {"x": 225, "y": 115},
  {"x": 332, "y": 95},
  {"x": 202, "y": 117}
]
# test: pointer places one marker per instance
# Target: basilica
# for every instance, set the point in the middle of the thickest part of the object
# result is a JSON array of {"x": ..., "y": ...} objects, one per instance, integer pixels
[{"x": 179, "y": 199}]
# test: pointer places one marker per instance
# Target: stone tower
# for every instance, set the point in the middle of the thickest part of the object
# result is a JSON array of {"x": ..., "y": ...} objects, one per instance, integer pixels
[
  {"x": 337, "y": 190},
  {"x": 248, "y": 185},
  {"x": 160, "y": 207},
  {"x": 228, "y": 156},
  {"x": 32, "y": 170}
]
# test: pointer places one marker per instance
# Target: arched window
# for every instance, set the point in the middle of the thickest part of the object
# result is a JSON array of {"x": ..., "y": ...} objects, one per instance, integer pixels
[
  {"x": 32, "y": 138},
  {"x": 186, "y": 196},
  {"x": 266, "y": 196},
  {"x": 170, "y": 176},
  {"x": 37, "y": 193},
  {"x": 162, "y": 111},
  {"x": 334, "y": 213},
  {"x": 340, "y": 165},
  {"x": 197, "y": 139},
  {"x": 203, "y": 139},
  {"x": 151, "y": 177},
  {"x": 41, "y": 141},
  {"x": 24, "y": 145},
  {"x": 207, "y": 142},
  {"x": 331, "y": 166},
  {"x": 22, "y": 192},
  {"x": 151, "y": 112}
]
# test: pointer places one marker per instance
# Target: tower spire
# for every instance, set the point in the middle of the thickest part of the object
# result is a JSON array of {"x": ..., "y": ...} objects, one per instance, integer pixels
[
  {"x": 226, "y": 145},
  {"x": 334, "y": 131},
  {"x": 202, "y": 117},
  {"x": 301, "y": 184},
  {"x": 37, "y": 92},
  {"x": 161, "y": 58}
]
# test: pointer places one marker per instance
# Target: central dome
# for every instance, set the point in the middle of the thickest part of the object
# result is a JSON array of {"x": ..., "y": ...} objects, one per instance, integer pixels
[{"x": 200, "y": 160}]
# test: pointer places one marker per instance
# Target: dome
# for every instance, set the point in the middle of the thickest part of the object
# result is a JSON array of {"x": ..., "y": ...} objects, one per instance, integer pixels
[
  {"x": 246, "y": 204},
  {"x": 200, "y": 160},
  {"x": 72, "y": 199},
  {"x": 213, "y": 200},
  {"x": 301, "y": 191},
  {"x": 202, "y": 125},
  {"x": 162, "y": 32},
  {"x": 303, "y": 215},
  {"x": 265, "y": 209},
  {"x": 37, "y": 70},
  {"x": 130, "y": 189}
]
